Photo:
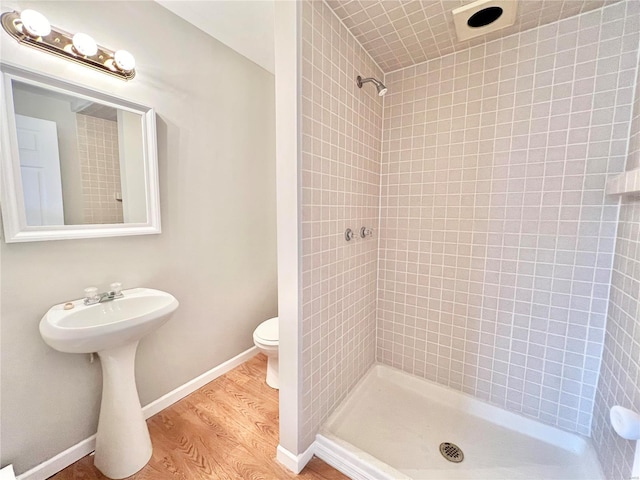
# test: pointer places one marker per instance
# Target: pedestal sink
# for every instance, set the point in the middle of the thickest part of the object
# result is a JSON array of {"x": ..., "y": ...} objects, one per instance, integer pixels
[{"x": 113, "y": 329}]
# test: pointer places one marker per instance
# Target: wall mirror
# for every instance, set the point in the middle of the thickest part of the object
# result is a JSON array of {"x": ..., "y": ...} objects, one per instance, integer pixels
[{"x": 76, "y": 163}]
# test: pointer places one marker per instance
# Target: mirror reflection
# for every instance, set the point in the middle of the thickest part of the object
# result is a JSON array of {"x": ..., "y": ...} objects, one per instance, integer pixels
[{"x": 81, "y": 161}]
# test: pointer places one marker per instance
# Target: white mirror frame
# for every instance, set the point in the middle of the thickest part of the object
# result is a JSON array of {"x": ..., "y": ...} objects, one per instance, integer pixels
[{"x": 13, "y": 211}]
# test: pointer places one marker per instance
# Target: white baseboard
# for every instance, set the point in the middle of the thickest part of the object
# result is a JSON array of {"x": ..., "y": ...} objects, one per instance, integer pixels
[
  {"x": 295, "y": 463},
  {"x": 349, "y": 463},
  {"x": 191, "y": 386},
  {"x": 52, "y": 466},
  {"x": 85, "y": 447}
]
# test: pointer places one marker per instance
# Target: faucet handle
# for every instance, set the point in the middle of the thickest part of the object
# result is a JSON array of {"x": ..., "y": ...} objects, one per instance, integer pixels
[
  {"x": 90, "y": 295},
  {"x": 116, "y": 289}
]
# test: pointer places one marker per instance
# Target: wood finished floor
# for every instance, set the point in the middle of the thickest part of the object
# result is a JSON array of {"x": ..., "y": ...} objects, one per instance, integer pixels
[{"x": 227, "y": 429}]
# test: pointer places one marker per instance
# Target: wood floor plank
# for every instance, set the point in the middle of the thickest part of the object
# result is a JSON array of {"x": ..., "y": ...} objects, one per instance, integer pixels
[
  {"x": 232, "y": 400},
  {"x": 226, "y": 430},
  {"x": 326, "y": 472}
]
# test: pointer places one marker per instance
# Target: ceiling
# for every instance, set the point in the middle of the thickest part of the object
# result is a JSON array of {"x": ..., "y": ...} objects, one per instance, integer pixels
[
  {"x": 398, "y": 33},
  {"x": 246, "y": 26}
]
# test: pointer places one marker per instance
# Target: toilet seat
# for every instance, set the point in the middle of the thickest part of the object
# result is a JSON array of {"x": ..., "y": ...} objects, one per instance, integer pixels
[{"x": 267, "y": 333}]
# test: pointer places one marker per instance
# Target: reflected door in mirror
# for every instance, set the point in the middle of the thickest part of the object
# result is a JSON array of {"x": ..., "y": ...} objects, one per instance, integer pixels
[{"x": 40, "y": 170}]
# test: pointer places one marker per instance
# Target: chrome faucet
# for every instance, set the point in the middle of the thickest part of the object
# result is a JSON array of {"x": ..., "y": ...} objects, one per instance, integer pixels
[
  {"x": 103, "y": 297},
  {"x": 91, "y": 295}
]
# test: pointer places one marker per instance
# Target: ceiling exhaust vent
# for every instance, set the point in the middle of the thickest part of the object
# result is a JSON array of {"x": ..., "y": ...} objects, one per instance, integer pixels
[{"x": 482, "y": 17}]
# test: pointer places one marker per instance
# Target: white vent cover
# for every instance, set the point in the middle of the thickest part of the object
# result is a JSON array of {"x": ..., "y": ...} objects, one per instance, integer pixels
[{"x": 482, "y": 17}]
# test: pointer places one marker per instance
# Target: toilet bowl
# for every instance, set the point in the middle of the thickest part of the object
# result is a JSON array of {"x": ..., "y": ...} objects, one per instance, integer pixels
[{"x": 266, "y": 338}]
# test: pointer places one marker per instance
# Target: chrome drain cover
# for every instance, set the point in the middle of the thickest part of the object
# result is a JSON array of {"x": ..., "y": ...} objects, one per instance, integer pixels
[{"x": 451, "y": 452}]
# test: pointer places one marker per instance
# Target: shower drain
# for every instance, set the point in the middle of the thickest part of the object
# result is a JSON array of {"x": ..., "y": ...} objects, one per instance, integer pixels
[{"x": 451, "y": 452}]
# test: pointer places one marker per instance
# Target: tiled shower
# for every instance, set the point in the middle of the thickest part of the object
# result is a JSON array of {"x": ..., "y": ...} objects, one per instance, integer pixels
[
  {"x": 341, "y": 151},
  {"x": 496, "y": 237},
  {"x": 499, "y": 266},
  {"x": 99, "y": 169},
  {"x": 619, "y": 382}
]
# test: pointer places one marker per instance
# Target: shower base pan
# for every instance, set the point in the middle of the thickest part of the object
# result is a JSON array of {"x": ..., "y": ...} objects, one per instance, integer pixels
[{"x": 392, "y": 425}]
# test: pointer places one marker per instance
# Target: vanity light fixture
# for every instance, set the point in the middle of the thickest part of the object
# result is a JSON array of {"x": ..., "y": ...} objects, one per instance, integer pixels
[
  {"x": 124, "y": 61},
  {"x": 84, "y": 45},
  {"x": 33, "y": 29},
  {"x": 35, "y": 24}
]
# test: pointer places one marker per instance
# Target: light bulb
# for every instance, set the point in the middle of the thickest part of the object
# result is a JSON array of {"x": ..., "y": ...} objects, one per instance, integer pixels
[
  {"x": 84, "y": 45},
  {"x": 124, "y": 61},
  {"x": 35, "y": 24}
]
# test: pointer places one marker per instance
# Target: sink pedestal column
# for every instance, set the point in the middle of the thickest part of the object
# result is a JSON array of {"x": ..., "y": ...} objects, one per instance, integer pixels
[{"x": 123, "y": 445}]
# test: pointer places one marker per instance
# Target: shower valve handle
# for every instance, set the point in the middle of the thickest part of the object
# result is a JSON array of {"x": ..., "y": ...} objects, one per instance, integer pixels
[{"x": 365, "y": 232}]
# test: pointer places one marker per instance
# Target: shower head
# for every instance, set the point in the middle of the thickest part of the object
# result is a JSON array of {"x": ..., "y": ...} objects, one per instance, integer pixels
[{"x": 379, "y": 85}]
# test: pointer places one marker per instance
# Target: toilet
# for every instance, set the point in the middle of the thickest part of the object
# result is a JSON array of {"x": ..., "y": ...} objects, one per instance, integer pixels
[{"x": 266, "y": 338}]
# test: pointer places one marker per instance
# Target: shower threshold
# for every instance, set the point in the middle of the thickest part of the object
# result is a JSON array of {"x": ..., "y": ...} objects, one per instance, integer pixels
[{"x": 392, "y": 424}]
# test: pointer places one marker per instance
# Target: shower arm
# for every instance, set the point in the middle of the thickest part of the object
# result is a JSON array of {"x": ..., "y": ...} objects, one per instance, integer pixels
[
  {"x": 361, "y": 81},
  {"x": 380, "y": 87}
]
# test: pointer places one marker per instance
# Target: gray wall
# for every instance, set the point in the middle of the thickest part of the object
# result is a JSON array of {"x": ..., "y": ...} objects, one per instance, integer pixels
[{"x": 216, "y": 253}]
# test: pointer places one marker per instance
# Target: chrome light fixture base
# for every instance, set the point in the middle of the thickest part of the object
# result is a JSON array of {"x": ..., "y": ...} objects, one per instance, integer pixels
[{"x": 60, "y": 43}]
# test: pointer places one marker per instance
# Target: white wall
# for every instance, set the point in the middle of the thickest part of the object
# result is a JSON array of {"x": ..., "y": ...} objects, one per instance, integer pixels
[
  {"x": 130, "y": 142},
  {"x": 247, "y": 26},
  {"x": 287, "y": 94},
  {"x": 217, "y": 250}
]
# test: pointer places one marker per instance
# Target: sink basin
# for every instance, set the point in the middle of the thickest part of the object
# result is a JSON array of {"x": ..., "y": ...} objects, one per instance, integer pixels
[
  {"x": 113, "y": 330},
  {"x": 89, "y": 329}
]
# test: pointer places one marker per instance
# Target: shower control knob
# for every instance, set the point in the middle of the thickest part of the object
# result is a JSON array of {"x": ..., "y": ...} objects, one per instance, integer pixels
[
  {"x": 365, "y": 232},
  {"x": 348, "y": 234}
]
